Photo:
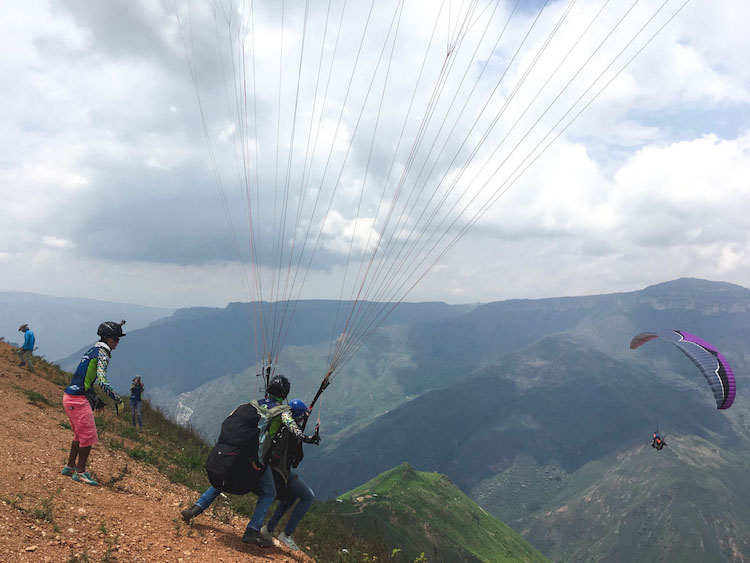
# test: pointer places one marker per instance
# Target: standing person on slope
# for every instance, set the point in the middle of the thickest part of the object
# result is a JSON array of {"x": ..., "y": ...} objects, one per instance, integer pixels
[
  {"x": 277, "y": 391},
  {"x": 80, "y": 398},
  {"x": 136, "y": 391},
  {"x": 26, "y": 351},
  {"x": 286, "y": 455}
]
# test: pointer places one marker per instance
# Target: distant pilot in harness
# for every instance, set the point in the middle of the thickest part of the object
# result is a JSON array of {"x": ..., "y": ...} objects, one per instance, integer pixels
[{"x": 658, "y": 442}]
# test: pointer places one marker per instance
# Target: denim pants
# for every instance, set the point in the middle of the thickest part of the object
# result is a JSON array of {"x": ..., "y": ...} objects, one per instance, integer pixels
[
  {"x": 135, "y": 412},
  {"x": 267, "y": 490},
  {"x": 298, "y": 489},
  {"x": 208, "y": 497},
  {"x": 265, "y": 499}
]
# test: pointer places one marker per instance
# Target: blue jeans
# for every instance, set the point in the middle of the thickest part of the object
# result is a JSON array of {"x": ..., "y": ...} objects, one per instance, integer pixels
[
  {"x": 208, "y": 497},
  {"x": 265, "y": 499},
  {"x": 298, "y": 489},
  {"x": 135, "y": 412},
  {"x": 267, "y": 490}
]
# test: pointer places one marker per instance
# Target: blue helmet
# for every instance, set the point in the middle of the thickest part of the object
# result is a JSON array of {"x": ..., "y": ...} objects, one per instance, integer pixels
[{"x": 298, "y": 408}]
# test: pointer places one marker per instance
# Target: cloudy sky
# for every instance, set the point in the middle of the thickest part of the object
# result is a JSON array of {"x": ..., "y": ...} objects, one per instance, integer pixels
[{"x": 183, "y": 153}]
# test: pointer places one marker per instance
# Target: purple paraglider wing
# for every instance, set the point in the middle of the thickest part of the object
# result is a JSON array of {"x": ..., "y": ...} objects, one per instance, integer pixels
[{"x": 709, "y": 360}]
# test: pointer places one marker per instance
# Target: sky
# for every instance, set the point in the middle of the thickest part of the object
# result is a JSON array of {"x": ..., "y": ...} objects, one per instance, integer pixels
[{"x": 180, "y": 153}]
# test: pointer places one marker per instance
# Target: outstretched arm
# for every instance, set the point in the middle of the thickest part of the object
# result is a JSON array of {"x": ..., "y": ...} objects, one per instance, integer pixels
[
  {"x": 288, "y": 420},
  {"x": 101, "y": 376}
]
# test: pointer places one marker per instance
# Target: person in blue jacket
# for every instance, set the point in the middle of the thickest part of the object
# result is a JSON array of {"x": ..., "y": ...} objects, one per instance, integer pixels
[
  {"x": 79, "y": 400},
  {"x": 26, "y": 352}
]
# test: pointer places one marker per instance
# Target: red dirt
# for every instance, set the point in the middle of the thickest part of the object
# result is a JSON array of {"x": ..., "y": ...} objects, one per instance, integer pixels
[{"x": 45, "y": 516}]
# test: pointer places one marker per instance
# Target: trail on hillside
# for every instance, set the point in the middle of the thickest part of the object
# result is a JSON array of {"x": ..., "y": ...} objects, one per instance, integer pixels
[{"x": 134, "y": 516}]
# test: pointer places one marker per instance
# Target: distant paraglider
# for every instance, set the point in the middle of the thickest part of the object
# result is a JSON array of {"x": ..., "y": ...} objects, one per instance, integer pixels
[
  {"x": 658, "y": 442},
  {"x": 709, "y": 360}
]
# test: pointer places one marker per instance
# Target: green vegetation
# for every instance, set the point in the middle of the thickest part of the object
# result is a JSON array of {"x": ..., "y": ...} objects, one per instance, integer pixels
[
  {"x": 42, "y": 510},
  {"x": 36, "y": 398},
  {"x": 425, "y": 514}
]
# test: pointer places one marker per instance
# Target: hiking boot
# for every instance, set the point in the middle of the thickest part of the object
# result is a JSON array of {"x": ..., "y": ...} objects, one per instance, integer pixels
[
  {"x": 265, "y": 533},
  {"x": 85, "y": 478},
  {"x": 254, "y": 537},
  {"x": 288, "y": 541},
  {"x": 68, "y": 471},
  {"x": 189, "y": 513}
]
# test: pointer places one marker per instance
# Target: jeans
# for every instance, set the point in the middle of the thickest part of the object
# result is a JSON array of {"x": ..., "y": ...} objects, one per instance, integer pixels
[
  {"x": 267, "y": 489},
  {"x": 208, "y": 497},
  {"x": 135, "y": 412},
  {"x": 265, "y": 499},
  {"x": 298, "y": 489}
]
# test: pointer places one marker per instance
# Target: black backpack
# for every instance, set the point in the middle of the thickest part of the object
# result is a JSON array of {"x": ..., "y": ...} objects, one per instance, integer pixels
[{"x": 234, "y": 464}]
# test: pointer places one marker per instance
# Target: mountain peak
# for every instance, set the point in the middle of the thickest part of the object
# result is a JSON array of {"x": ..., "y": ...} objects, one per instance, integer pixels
[{"x": 450, "y": 523}]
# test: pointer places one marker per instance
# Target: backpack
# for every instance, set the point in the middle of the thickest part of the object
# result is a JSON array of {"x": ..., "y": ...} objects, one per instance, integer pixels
[{"x": 243, "y": 442}]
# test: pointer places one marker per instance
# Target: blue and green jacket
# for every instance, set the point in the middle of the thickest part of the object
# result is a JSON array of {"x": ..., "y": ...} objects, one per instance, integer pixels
[{"x": 92, "y": 370}]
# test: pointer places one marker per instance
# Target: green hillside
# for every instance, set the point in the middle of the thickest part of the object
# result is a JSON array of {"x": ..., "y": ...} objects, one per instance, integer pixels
[{"x": 422, "y": 512}]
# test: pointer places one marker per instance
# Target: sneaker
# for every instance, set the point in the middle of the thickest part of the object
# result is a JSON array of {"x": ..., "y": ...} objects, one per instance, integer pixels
[
  {"x": 189, "y": 513},
  {"x": 265, "y": 533},
  {"x": 254, "y": 537},
  {"x": 288, "y": 541},
  {"x": 85, "y": 478},
  {"x": 68, "y": 471}
]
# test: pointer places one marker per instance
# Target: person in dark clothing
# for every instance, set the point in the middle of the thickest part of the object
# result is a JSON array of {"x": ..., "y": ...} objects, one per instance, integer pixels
[
  {"x": 296, "y": 490},
  {"x": 276, "y": 393},
  {"x": 136, "y": 392},
  {"x": 658, "y": 442}
]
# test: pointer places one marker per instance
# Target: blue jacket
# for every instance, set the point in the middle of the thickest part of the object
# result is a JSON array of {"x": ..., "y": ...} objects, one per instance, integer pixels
[{"x": 28, "y": 340}]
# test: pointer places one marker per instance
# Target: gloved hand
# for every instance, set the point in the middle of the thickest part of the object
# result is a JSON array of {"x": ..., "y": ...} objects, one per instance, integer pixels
[{"x": 314, "y": 439}]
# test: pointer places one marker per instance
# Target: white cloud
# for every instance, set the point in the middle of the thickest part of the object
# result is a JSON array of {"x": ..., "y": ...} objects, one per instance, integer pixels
[
  {"x": 56, "y": 242},
  {"x": 101, "y": 136}
]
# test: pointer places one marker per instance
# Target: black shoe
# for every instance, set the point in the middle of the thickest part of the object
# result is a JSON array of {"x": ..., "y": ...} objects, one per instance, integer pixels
[
  {"x": 189, "y": 513},
  {"x": 254, "y": 537}
]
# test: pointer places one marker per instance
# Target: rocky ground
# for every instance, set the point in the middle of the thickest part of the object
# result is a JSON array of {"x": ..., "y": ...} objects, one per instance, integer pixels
[{"x": 134, "y": 516}]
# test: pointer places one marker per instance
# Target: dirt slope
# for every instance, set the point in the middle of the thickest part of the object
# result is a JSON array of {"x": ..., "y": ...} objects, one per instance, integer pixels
[{"x": 47, "y": 517}]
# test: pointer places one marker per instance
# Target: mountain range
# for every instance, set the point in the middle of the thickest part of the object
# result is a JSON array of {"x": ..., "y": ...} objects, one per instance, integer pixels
[
  {"x": 537, "y": 409},
  {"x": 64, "y": 324}
]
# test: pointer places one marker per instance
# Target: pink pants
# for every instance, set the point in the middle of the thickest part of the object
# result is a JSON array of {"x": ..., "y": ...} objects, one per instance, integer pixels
[{"x": 81, "y": 419}]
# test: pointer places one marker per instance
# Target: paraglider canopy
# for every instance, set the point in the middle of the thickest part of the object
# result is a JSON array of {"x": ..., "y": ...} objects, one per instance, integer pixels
[{"x": 709, "y": 360}]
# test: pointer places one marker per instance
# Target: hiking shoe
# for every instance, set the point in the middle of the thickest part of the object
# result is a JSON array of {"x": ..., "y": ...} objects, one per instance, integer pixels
[
  {"x": 288, "y": 541},
  {"x": 254, "y": 537},
  {"x": 68, "y": 471},
  {"x": 189, "y": 513},
  {"x": 85, "y": 478},
  {"x": 265, "y": 533}
]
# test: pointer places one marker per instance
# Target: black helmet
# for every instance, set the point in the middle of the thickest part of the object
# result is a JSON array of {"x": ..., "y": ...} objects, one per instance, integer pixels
[
  {"x": 279, "y": 386},
  {"x": 111, "y": 329}
]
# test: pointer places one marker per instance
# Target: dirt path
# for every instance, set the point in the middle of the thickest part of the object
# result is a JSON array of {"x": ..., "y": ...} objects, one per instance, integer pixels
[{"x": 47, "y": 517}]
